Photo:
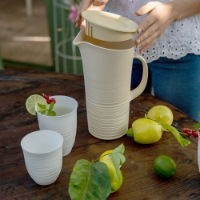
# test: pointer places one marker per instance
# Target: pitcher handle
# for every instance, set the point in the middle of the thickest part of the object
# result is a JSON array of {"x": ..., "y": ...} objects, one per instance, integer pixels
[{"x": 140, "y": 88}]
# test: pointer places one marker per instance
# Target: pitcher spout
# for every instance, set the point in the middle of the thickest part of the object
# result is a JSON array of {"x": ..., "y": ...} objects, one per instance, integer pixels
[{"x": 79, "y": 39}]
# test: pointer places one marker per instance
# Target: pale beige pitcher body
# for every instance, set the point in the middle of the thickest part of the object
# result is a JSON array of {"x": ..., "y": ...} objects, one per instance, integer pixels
[{"x": 107, "y": 75}]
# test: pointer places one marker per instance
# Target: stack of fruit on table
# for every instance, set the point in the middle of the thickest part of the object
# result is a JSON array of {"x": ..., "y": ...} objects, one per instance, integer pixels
[{"x": 96, "y": 180}]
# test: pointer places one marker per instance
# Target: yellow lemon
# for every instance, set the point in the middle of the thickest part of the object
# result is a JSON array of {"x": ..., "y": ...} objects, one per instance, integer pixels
[
  {"x": 105, "y": 153},
  {"x": 146, "y": 131},
  {"x": 116, "y": 177},
  {"x": 161, "y": 113}
]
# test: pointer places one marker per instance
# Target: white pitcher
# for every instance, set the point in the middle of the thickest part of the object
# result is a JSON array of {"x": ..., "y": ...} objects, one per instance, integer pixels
[{"x": 107, "y": 71}]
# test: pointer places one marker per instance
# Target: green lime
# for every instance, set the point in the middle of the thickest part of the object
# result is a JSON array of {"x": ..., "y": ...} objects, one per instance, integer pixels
[
  {"x": 31, "y": 101},
  {"x": 164, "y": 166}
]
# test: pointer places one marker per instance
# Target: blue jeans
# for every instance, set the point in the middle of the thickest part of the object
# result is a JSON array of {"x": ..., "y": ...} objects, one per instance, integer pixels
[{"x": 174, "y": 81}]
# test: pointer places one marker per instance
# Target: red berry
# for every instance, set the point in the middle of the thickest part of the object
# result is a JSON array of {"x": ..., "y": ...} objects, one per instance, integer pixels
[
  {"x": 196, "y": 136},
  {"x": 45, "y": 96},
  {"x": 195, "y": 133},
  {"x": 187, "y": 131},
  {"x": 48, "y": 101},
  {"x": 53, "y": 100},
  {"x": 191, "y": 132}
]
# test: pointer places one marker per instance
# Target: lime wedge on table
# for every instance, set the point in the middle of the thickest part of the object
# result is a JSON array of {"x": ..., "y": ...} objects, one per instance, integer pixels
[{"x": 31, "y": 101}]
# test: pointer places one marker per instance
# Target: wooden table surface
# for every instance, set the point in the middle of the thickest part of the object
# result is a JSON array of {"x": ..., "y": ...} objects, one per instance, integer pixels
[{"x": 140, "y": 182}]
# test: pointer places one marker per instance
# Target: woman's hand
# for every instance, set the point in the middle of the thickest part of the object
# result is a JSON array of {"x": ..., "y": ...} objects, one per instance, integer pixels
[
  {"x": 159, "y": 17},
  {"x": 89, "y": 4}
]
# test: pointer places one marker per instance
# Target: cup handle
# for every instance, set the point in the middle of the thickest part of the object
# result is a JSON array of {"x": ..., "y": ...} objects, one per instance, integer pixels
[{"x": 140, "y": 88}]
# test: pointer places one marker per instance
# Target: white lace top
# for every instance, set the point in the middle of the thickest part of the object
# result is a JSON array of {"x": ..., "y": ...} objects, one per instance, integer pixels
[{"x": 182, "y": 37}]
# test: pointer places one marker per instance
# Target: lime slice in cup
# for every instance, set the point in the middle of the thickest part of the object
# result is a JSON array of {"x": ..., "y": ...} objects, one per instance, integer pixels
[{"x": 32, "y": 100}]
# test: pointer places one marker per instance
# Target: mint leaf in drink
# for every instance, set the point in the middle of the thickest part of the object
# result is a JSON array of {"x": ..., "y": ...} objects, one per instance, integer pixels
[
  {"x": 50, "y": 111},
  {"x": 46, "y": 109},
  {"x": 42, "y": 108}
]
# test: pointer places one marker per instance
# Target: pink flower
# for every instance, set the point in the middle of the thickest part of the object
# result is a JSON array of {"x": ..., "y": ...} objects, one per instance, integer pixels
[{"x": 73, "y": 12}]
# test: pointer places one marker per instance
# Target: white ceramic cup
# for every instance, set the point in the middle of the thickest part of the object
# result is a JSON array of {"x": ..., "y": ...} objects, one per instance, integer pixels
[
  {"x": 43, "y": 155},
  {"x": 65, "y": 122}
]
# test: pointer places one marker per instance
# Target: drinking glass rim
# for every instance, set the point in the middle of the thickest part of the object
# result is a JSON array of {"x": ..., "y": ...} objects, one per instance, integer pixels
[
  {"x": 42, "y": 153},
  {"x": 64, "y": 115}
]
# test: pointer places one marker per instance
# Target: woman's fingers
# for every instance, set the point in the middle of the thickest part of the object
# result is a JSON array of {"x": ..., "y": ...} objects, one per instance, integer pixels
[
  {"x": 146, "y": 23},
  {"x": 148, "y": 42},
  {"x": 146, "y": 34},
  {"x": 147, "y": 8},
  {"x": 159, "y": 17},
  {"x": 89, "y": 4},
  {"x": 98, "y": 2},
  {"x": 84, "y": 4},
  {"x": 78, "y": 21}
]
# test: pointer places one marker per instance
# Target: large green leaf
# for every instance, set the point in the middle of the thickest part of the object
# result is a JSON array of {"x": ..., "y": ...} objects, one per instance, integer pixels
[
  {"x": 117, "y": 156},
  {"x": 119, "y": 149},
  {"x": 197, "y": 126},
  {"x": 89, "y": 181}
]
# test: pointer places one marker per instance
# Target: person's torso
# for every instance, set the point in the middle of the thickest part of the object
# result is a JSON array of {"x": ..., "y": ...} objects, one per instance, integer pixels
[{"x": 181, "y": 37}]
